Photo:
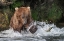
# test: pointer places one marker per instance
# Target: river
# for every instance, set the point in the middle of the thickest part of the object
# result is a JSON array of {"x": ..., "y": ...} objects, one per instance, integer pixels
[{"x": 45, "y": 32}]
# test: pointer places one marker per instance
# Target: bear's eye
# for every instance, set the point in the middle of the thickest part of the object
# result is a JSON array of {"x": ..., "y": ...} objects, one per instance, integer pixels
[{"x": 23, "y": 17}]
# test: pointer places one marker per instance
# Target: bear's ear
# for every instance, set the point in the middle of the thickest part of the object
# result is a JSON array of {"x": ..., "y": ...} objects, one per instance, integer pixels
[
  {"x": 28, "y": 8},
  {"x": 16, "y": 8}
]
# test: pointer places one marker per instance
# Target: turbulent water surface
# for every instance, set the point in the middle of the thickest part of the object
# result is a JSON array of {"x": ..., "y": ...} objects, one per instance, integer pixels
[{"x": 45, "y": 32}]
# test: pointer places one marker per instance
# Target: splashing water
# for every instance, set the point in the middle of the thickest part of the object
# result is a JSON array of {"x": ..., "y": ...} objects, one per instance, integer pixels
[{"x": 44, "y": 29}]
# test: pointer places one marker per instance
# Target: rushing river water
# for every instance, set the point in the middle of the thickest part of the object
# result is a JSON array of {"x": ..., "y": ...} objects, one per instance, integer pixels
[{"x": 45, "y": 32}]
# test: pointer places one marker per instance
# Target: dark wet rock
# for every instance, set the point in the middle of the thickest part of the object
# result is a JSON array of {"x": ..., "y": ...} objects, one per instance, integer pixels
[
  {"x": 33, "y": 29},
  {"x": 60, "y": 25}
]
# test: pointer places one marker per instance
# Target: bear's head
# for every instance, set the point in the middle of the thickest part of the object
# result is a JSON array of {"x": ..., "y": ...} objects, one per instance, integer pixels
[{"x": 22, "y": 14}]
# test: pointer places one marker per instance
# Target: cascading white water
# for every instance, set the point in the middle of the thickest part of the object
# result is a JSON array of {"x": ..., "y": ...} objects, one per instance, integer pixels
[{"x": 44, "y": 29}]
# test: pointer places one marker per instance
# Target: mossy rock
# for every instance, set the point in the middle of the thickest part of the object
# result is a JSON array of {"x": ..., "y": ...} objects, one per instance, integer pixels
[{"x": 3, "y": 22}]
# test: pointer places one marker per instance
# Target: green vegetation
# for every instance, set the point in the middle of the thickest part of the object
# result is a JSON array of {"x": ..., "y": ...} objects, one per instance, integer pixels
[
  {"x": 17, "y": 4},
  {"x": 54, "y": 13},
  {"x": 34, "y": 14}
]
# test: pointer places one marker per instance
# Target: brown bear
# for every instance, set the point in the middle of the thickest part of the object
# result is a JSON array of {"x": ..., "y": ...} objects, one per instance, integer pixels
[{"x": 22, "y": 17}]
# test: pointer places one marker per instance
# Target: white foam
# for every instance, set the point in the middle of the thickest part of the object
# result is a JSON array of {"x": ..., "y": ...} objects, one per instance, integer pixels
[
  {"x": 49, "y": 30},
  {"x": 43, "y": 30},
  {"x": 10, "y": 33}
]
